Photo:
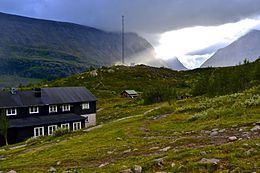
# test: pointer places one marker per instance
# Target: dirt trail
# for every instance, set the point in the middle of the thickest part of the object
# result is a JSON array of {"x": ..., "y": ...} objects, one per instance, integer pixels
[
  {"x": 121, "y": 119},
  {"x": 86, "y": 130}
]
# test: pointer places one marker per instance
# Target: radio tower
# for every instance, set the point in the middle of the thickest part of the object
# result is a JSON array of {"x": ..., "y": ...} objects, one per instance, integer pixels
[{"x": 123, "y": 40}]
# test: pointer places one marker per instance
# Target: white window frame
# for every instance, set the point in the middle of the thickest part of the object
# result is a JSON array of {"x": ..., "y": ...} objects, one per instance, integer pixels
[
  {"x": 85, "y": 106},
  {"x": 38, "y": 133},
  {"x": 33, "y": 110},
  {"x": 11, "y": 111},
  {"x": 65, "y": 126},
  {"x": 53, "y": 108},
  {"x": 65, "y": 107},
  {"x": 52, "y": 129},
  {"x": 76, "y": 126}
]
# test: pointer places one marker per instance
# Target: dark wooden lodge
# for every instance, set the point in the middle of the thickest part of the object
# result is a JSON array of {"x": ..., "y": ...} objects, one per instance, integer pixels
[{"x": 43, "y": 110}]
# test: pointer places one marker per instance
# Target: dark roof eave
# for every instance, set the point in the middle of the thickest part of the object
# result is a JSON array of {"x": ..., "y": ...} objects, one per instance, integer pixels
[{"x": 44, "y": 120}]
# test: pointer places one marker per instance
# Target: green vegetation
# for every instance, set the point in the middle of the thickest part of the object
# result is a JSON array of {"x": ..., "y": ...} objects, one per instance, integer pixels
[
  {"x": 161, "y": 93},
  {"x": 3, "y": 126},
  {"x": 160, "y": 137},
  {"x": 228, "y": 80}
]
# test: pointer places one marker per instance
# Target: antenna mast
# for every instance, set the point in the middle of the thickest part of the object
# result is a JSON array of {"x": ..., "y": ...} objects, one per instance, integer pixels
[{"x": 123, "y": 40}]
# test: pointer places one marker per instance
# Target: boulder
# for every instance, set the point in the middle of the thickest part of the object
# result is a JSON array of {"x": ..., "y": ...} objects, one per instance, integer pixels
[
  {"x": 165, "y": 149},
  {"x": 203, "y": 153},
  {"x": 103, "y": 164},
  {"x": 126, "y": 171},
  {"x": 214, "y": 133},
  {"x": 256, "y": 128},
  {"x": 159, "y": 161},
  {"x": 137, "y": 169},
  {"x": 52, "y": 170},
  {"x": 213, "y": 161},
  {"x": 232, "y": 138},
  {"x": 173, "y": 164},
  {"x": 12, "y": 171}
]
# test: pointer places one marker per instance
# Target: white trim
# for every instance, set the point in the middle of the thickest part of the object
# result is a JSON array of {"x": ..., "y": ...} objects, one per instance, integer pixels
[
  {"x": 65, "y": 126},
  {"x": 11, "y": 111},
  {"x": 38, "y": 131},
  {"x": 85, "y": 105},
  {"x": 76, "y": 126},
  {"x": 65, "y": 107},
  {"x": 52, "y": 129},
  {"x": 32, "y": 110},
  {"x": 53, "y": 108}
]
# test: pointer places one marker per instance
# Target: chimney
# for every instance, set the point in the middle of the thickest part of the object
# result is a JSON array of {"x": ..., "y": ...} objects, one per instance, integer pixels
[
  {"x": 13, "y": 91},
  {"x": 37, "y": 92}
]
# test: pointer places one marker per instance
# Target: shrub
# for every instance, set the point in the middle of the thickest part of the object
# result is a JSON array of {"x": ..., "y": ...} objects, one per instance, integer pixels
[
  {"x": 34, "y": 140},
  {"x": 60, "y": 132},
  {"x": 229, "y": 80},
  {"x": 159, "y": 94}
]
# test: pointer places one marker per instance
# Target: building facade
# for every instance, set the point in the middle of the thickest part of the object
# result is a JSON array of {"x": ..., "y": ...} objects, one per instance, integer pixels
[{"x": 43, "y": 110}]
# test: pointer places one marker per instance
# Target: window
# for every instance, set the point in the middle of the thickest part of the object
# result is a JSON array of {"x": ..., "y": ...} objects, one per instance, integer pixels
[
  {"x": 51, "y": 129},
  {"x": 11, "y": 111},
  {"x": 52, "y": 108},
  {"x": 34, "y": 110},
  {"x": 38, "y": 131},
  {"x": 85, "y": 105},
  {"x": 76, "y": 126},
  {"x": 66, "y": 107},
  {"x": 65, "y": 126}
]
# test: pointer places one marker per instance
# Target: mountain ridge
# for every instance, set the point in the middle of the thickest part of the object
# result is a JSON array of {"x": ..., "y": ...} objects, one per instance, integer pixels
[
  {"x": 246, "y": 47},
  {"x": 174, "y": 63},
  {"x": 46, "y": 49}
]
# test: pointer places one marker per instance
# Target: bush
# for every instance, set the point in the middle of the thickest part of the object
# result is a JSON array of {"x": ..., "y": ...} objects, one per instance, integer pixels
[
  {"x": 60, "y": 132},
  {"x": 159, "y": 94},
  {"x": 227, "y": 80},
  {"x": 34, "y": 140}
]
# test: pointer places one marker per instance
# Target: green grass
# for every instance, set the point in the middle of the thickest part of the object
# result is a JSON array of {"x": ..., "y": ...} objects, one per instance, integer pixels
[
  {"x": 132, "y": 133},
  {"x": 85, "y": 151}
]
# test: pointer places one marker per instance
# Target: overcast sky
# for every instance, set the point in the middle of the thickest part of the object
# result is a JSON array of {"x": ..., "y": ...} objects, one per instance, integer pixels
[{"x": 169, "y": 25}]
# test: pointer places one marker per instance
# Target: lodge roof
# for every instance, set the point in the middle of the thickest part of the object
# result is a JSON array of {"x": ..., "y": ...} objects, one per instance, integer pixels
[
  {"x": 57, "y": 95},
  {"x": 130, "y": 92}
]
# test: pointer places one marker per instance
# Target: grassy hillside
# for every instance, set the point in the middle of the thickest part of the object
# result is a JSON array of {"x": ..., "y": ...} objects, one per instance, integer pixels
[{"x": 197, "y": 134}]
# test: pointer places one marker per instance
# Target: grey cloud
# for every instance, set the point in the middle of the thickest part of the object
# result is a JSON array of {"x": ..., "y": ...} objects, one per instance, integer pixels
[
  {"x": 208, "y": 50},
  {"x": 143, "y": 16}
]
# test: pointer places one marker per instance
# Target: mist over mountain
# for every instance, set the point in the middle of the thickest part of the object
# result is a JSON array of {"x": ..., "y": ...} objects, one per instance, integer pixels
[
  {"x": 246, "y": 47},
  {"x": 45, "y": 49},
  {"x": 175, "y": 64}
]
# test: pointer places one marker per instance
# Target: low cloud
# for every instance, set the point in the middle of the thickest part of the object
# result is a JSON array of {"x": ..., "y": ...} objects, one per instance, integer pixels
[
  {"x": 151, "y": 19},
  {"x": 142, "y": 16},
  {"x": 201, "y": 40}
]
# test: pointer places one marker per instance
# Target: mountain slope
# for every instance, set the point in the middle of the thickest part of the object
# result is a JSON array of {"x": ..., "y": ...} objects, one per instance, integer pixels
[
  {"x": 246, "y": 47},
  {"x": 175, "y": 64},
  {"x": 48, "y": 49}
]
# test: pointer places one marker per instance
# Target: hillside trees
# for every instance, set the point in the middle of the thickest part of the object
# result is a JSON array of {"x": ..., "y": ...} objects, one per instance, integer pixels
[
  {"x": 160, "y": 93},
  {"x": 229, "y": 80}
]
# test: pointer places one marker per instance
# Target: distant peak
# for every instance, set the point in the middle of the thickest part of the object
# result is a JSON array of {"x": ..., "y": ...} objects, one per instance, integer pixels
[{"x": 254, "y": 31}]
